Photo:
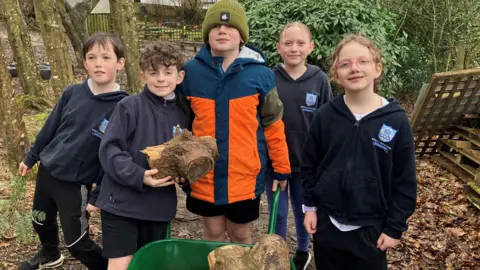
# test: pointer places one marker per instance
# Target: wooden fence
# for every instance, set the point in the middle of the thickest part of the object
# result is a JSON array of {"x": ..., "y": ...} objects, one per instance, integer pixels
[
  {"x": 149, "y": 28},
  {"x": 98, "y": 23}
]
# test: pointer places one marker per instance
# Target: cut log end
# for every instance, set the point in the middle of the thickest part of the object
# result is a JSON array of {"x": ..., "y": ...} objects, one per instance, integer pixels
[{"x": 198, "y": 168}]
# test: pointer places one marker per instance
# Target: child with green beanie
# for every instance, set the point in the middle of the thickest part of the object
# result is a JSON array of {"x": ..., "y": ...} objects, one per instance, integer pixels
[{"x": 233, "y": 97}]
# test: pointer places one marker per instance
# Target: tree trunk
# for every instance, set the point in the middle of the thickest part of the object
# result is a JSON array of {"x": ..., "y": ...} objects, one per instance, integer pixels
[
  {"x": 73, "y": 20},
  {"x": 22, "y": 48},
  {"x": 11, "y": 119},
  {"x": 55, "y": 42},
  {"x": 122, "y": 14},
  {"x": 184, "y": 156}
]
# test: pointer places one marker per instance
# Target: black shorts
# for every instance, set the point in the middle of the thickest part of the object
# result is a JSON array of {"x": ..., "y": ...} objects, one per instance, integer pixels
[
  {"x": 239, "y": 212},
  {"x": 124, "y": 236}
]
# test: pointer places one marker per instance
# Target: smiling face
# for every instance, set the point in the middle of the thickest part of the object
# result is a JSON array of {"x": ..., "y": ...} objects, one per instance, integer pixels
[
  {"x": 224, "y": 39},
  {"x": 102, "y": 64},
  {"x": 295, "y": 45},
  {"x": 162, "y": 81},
  {"x": 356, "y": 69}
]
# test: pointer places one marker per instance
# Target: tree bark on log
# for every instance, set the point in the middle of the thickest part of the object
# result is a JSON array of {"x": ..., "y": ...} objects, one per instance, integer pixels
[
  {"x": 122, "y": 14},
  {"x": 55, "y": 42},
  {"x": 184, "y": 156},
  {"x": 22, "y": 48},
  {"x": 11, "y": 120},
  {"x": 270, "y": 253}
]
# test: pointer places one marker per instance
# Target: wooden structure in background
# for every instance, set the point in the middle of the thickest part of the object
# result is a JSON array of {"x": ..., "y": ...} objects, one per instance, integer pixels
[
  {"x": 441, "y": 105},
  {"x": 446, "y": 121}
]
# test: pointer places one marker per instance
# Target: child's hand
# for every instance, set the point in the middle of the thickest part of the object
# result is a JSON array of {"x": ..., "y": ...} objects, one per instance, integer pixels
[
  {"x": 385, "y": 242},
  {"x": 24, "y": 169},
  {"x": 310, "y": 222},
  {"x": 283, "y": 184},
  {"x": 92, "y": 208},
  {"x": 150, "y": 181}
]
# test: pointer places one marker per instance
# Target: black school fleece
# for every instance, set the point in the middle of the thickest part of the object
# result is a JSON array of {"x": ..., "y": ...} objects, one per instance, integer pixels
[
  {"x": 301, "y": 97},
  {"x": 138, "y": 122},
  {"x": 361, "y": 172},
  {"x": 67, "y": 145}
]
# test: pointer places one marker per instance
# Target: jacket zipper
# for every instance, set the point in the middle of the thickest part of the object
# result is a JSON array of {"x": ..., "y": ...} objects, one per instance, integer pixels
[{"x": 348, "y": 169}]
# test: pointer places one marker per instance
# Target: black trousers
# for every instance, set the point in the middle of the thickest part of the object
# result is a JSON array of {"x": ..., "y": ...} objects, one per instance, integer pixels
[
  {"x": 339, "y": 250},
  {"x": 69, "y": 200}
]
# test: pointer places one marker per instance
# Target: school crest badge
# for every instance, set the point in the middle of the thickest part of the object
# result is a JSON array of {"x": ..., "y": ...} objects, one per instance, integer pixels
[
  {"x": 103, "y": 126},
  {"x": 311, "y": 99},
  {"x": 386, "y": 133}
]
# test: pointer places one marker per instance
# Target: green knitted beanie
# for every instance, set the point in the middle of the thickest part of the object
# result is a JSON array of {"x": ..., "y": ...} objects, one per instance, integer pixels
[{"x": 225, "y": 12}]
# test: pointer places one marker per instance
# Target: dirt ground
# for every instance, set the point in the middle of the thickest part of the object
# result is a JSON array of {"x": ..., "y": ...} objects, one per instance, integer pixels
[{"x": 444, "y": 231}]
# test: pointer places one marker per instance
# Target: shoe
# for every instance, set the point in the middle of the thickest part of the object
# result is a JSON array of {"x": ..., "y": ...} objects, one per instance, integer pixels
[
  {"x": 42, "y": 261},
  {"x": 301, "y": 260}
]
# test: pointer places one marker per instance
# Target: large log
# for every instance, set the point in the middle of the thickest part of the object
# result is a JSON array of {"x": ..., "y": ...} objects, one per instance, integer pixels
[
  {"x": 184, "y": 156},
  {"x": 269, "y": 253}
]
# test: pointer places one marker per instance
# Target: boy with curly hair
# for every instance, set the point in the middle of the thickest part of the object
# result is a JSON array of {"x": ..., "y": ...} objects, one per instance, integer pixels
[{"x": 135, "y": 206}]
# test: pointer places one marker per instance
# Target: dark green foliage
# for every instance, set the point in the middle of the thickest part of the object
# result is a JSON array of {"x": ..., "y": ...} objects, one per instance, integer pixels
[{"x": 329, "y": 21}]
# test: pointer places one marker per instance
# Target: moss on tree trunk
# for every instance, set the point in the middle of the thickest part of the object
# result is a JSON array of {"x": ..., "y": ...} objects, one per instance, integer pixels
[
  {"x": 22, "y": 48},
  {"x": 11, "y": 119},
  {"x": 73, "y": 20},
  {"x": 55, "y": 42},
  {"x": 122, "y": 14}
]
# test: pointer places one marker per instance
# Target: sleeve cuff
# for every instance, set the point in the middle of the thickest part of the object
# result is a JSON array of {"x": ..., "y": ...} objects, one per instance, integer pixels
[
  {"x": 139, "y": 184},
  {"x": 308, "y": 208},
  {"x": 29, "y": 162},
  {"x": 392, "y": 233},
  {"x": 281, "y": 176},
  {"x": 309, "y": 201},
  {"x": 92, "y": 200}
]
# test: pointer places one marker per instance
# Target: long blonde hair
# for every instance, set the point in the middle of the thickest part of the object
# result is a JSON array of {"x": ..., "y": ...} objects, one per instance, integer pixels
[{"x": 362, "y": 40}]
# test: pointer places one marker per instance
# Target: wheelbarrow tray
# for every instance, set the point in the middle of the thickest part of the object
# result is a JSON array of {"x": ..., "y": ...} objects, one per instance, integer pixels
[
  {"x": 186, "y": 254},
  {"x": 177, "y": 254}
]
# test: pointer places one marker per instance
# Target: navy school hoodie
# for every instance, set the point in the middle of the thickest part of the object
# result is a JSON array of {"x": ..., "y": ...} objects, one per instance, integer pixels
[
  {"x": 300, "y": 98},
  {"x": 67, "y": 145},
  {"x": 138, "y": 122},
  {"x": 361, "y": 172}
]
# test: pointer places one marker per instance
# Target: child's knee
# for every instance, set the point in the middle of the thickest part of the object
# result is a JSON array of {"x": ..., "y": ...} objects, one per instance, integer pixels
[
  {"x": 214, "y": 226},
  {"x": 119, "y": 263},
  {"x": 239, "y": 233}
]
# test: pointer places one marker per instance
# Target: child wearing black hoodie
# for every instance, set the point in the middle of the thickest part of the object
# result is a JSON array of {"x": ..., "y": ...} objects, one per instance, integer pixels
[
  {"x": 135, "y": 206},
  {"x": 67, "y": 148},
  {"x": 302, "y": 88},
  {"x": 358, "y": 166}
]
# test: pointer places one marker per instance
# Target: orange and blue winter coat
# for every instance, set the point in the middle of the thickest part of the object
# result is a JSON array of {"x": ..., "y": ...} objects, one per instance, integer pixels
[{"x": 241, "y": 109}]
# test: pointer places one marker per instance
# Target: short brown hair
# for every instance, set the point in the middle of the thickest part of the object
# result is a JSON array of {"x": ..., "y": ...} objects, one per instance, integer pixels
[
  {"x": 297, "y": 24},
  {"x": 161, "y": 54},
  {"x": 102, "y": 39},
  {"x": 362, "y": 40}
]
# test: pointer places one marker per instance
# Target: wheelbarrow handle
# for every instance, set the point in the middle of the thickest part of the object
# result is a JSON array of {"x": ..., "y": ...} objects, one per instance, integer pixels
[{"x": 272, "y": 222}]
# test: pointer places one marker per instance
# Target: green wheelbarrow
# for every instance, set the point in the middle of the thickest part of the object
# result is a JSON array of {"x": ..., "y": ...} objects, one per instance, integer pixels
[{"x": 186, "y": 254}]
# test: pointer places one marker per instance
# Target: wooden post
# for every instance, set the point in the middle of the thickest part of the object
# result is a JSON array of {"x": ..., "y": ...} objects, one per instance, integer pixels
[{"x": 460, "y": 61}]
